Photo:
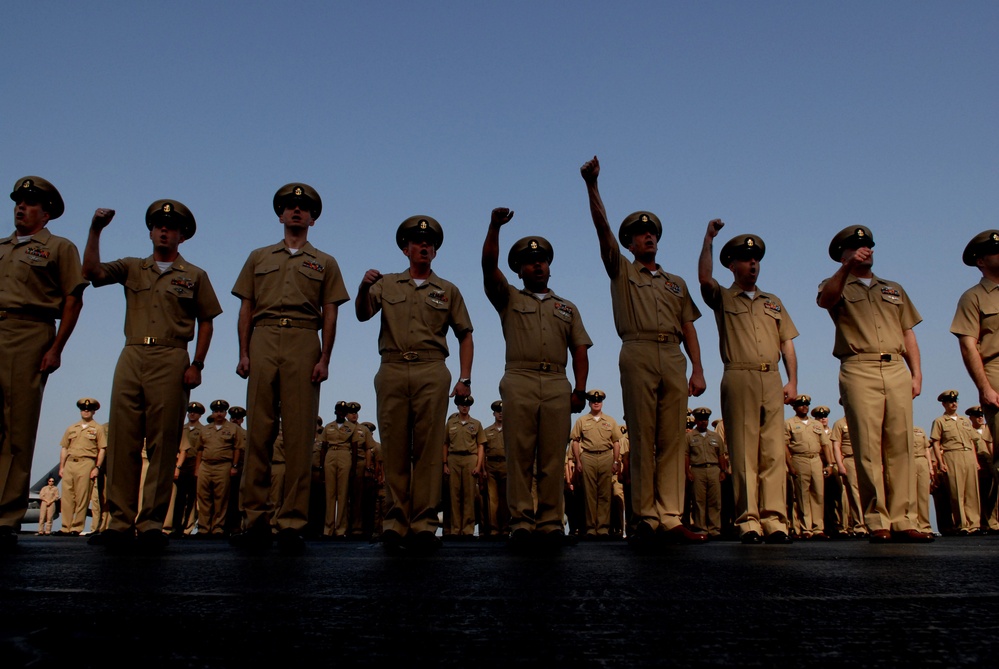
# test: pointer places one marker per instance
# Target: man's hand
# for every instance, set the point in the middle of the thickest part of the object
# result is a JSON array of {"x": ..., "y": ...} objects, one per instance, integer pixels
[
  {"x": 51, "y": 361},
  {"x": 501, "y": 216},
  {"x": 790, "y": 392},
  {"x": 321, "y": 371},
  {"x": 697, "y": 384},
  {"x": 714, "y": 227},
  {"x": 101, "y": 218},
  {"x": 243, "y": 368},
  {"x": 577, "y": 401},
  {"x": 371, "y": 277},
  {"x": 856, "y": 257},
  {"x": 989, "y": 397},
  {"x": 590, "y": 170},
  {"x": 192, "y": 377}
]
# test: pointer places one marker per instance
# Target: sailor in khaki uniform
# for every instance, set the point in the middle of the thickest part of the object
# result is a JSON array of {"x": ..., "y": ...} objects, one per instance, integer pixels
[
  {"x": 418, "y": 308},
  {"x": 879, "y": 376},
  {"x": 956, "y": 443},
  {"x": 341, "y": 439},
  {"x": 754, "y": 333},
  {"x": 81, "y": 457},
  {"x": 596, "y": 452},
  {"x": 924, "y": 475},
  {"x": 976, "y": 325},
  {"x": 360, "y": 466},
  {"x": 48, "y": 496},
  {"x": 218, "y": 461},
  {"x": 835, "y": 511},
  {"x": 706, "y": 464},
  {"x": 165, "y": 296},
  {"x": 846, "y": 467},
  {"x": 809, "y": 454},
  {"x": 40, "y": 283},
  {"x": 289, "y": 292},
  {"x": 986, "y": 470},
  {"x": 185, "y": 504},
  {"x": 464, "y": 455},
  {"x": 541, "y": 330},
  {"x": 498, "y": 511},
  {"x": 653, "y": 314},
  {"x": 234, "y": 517}
]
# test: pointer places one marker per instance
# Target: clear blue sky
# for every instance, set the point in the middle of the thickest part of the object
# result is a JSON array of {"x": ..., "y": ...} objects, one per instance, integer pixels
[{"x": 790, "y": 120}]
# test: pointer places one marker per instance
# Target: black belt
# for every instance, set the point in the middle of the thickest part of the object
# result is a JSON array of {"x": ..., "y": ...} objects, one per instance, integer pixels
[
  {"x": 428, "y": 355},
  {"x": 7, "y": 314},
  {"x": 496, "y": 458},
  {"x": 536, "y": 366},
  {"x": 709, "y": 464}
]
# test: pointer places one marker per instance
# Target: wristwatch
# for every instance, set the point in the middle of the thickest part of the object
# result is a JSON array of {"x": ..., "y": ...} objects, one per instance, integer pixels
[
  {"x": 467, "y": 382},
  {"x": 198, "y": 365}
]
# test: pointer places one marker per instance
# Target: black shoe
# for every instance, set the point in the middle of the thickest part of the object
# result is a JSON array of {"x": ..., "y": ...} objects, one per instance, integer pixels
[
  {"x": 151, "y": 542},
  {"x": 114, "y": 541},
  {"x": 254, "y": 540},
  {"x": 643, "y": 539},
  {"x": 290, "y": 542},
  {"x": 8, "y": 539},
  {"x": 751, "y": 537},
  {"x": 392, "y": 542},
  {"x": 778, "y": 537},
  {"x": 520, "y": 540},
  {"x": 424, "y": 543}
]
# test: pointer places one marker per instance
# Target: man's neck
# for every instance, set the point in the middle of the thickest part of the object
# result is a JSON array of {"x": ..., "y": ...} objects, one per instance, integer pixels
[
  {"x": 419, "y": 271},
  {"x": 295, "y": 238}
]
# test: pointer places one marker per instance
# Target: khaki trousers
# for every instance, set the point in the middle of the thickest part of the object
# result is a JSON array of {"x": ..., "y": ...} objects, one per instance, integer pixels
[
  {"x": 213, "y": 495},
  {"x": 280, "y": 387},
  {"x": 412, "y": 408},
  {"x": 337, "y": 468},
  {"x": 923, "y": 494},
  {"x": 654, "y": 393},
  {"x": 462, "y": 493},
  {"x": 148, "y": 400},
  {"x": 962, "y": 474},
  {"x": 877, "y": 398},
  {"x": 809, "y": 489},
  {"x": 21, "y": 386},
  {"x": 853, "y": 496},
  {"x": 753, "y": 414},
  {"x": 536, "y": 425},
  {"x": 705, "y": 514},
  {"x": 76, "y": 490},
  {"x": 597, "y": 484}
]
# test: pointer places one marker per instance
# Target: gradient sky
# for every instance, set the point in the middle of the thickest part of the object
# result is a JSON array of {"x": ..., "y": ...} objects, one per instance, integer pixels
[{"x": 790, "y": 120}]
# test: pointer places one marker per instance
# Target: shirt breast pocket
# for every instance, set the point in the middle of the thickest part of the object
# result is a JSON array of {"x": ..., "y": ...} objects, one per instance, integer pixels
[
  {"x": 525, "y": 316},
  {"x": 435, "y": 314}
]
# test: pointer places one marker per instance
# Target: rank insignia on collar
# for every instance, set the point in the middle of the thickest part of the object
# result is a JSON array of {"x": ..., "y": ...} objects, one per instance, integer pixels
[
  {"x": 183, "y": 282},
  {"x": 313, "y": 265},
  {"x": 674, "y": 287},
  {"x": 37, "y": 252},
  {"x": 772, "y": 306}
]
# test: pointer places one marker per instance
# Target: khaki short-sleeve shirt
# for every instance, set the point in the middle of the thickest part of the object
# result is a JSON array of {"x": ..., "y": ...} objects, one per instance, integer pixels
[
  {"x": 872, "y": 319},
  {"x": 978, "y": 316},
  {"x": 704, "y": 449},
  {"x": 955, "y": 433},
  {"x": 464, "y": 437},
  {"x": 417, "y": 318},
  {"x": 162, "y": 304},
  {"x": 219, "y": 443},
  {"x": 649, "y": 304},
  {"x": 749, "y": 330},
  {"x": 803, "y": 438},
  {"x": 343, "y": 434},
  {"x": 494, "y": 441},
  {"x": 841, "y": 433},
  {"x": 595, "y": 434},
  {"x": 920, "y": 442},
  {"x": 541, "y": 330},
  {"x": 84, "y": 439},
  {"x": 282, "y": 285},
  {"x": 36, "y": 275}
]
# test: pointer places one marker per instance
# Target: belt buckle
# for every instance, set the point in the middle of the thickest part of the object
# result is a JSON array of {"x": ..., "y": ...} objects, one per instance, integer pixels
[
  {"x": 410, "y": 356},
  {"x": 545, "y": 367},
  {"x": 148, "y": 341},
  {"x": 765, "y": 367},
  {"x": 284, "y": 322},
  {"x": 886, "y": 357},
  {"x": 661, "y": 337}
]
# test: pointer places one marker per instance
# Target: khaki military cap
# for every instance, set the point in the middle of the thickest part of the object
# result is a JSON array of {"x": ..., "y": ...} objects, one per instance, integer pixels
[
  {"x": 820, "y": 412},
  {"x": 851, "y": 237},
  {"x": 530, "y": 247},
  {"x": 981, "y": 245},
  {"x": 171, "y": 211},
  {"x": 595, "y": 395},
  {"x": 802, "y": 399},
  {"x": 701, "y": 413},
  {"x": 463, "y": 400},
  {"x": 353, "y": 407},
  {"x": 947, "y": 396},
  {"x": 341, "y": 408},
  {"x": 418, "y": 228},
  {"x": 87, "y": 404},
  {"x": 639, "y": 221},
  {"x": 196, "y": 407},
  {"x": 742, "y": 247},
  {"x": 304, "y": 194},
  {"x": 219, "y": 405},
  {"x": 371, "y": 426},
  {"x": 974, "y": 411},
  {"x": 237, "y": 412},
  {"x": 45, "y": 192},
  {"x": 497, "y": 406}
]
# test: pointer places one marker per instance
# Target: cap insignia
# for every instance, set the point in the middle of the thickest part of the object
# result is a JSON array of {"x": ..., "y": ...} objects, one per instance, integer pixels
[
  {"x": 167, "y": 208},
  {"x": 860, "y": 232},
  {"x": 423, "y": 225},
  {"x": 298, "y": 190},
  {"x": 749, "y": 243},
  {"x": 995, "y": 236},
  {"x": 534, "y": 245},
  {"x": 645, "y": 218},
  {"x": 26, "y": 183}
]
